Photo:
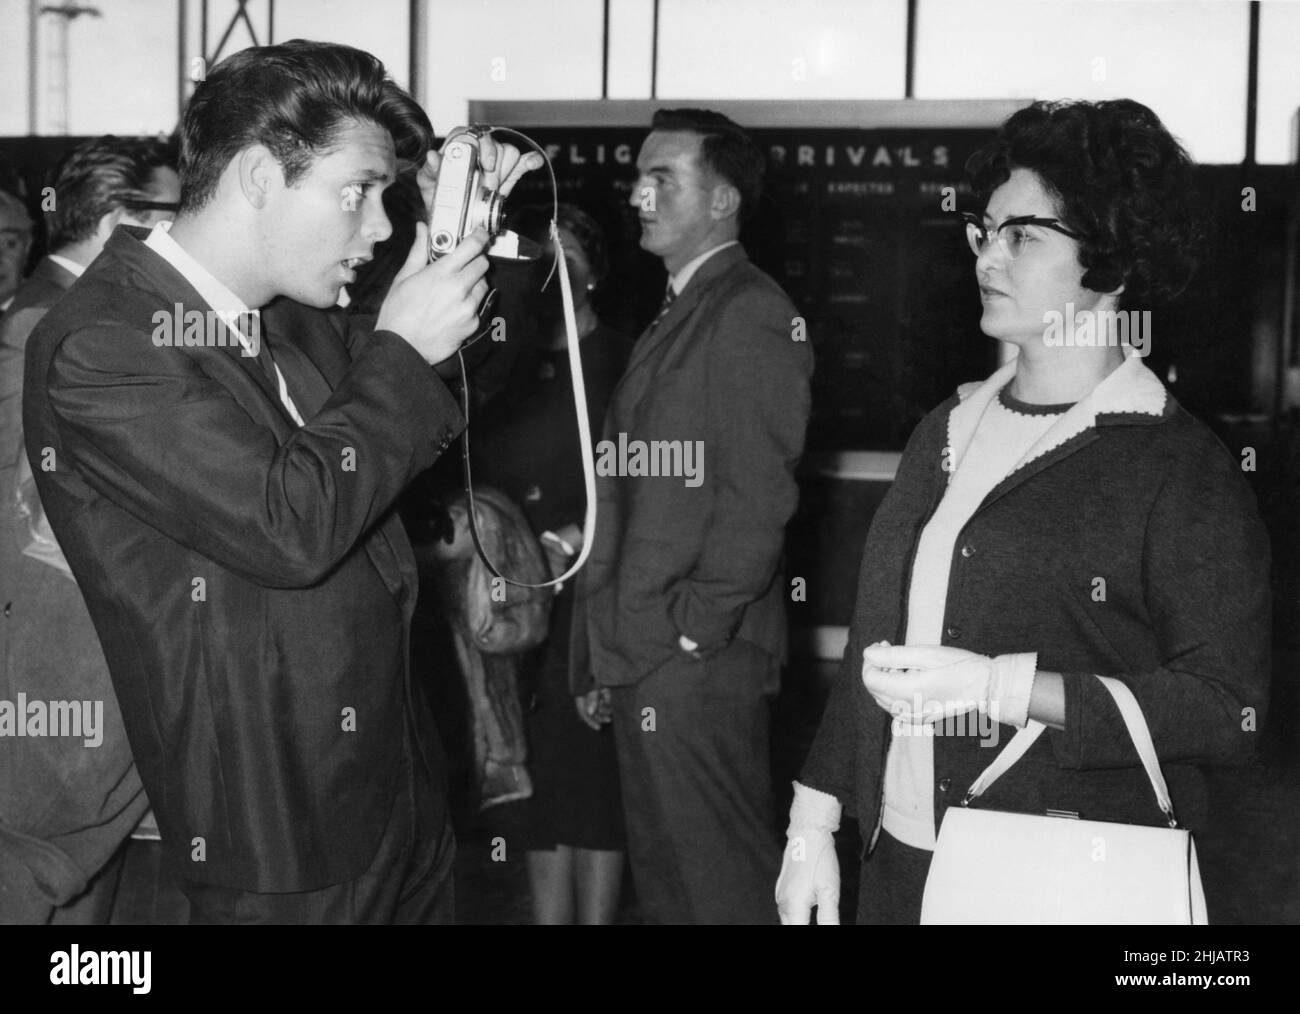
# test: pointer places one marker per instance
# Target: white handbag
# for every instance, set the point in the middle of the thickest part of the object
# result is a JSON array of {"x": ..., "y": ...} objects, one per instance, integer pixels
[{"x": 996, "y": 868}]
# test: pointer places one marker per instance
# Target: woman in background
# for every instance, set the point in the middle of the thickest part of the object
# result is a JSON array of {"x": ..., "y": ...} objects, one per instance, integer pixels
[{"x": 572, "y": 826}]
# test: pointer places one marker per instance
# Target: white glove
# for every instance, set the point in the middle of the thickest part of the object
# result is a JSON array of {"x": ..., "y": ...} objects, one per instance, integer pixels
[
  {"x": 920, "y": 684},
  {"x": 810, "y": 870}
]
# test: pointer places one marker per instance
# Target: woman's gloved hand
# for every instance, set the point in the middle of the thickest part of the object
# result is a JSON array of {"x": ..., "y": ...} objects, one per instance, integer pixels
[
  {"x": 920, "y": 684},
  {"x": 810, "y": 870}
]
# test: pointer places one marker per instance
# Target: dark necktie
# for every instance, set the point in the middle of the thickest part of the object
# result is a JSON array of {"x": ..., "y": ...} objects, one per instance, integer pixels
[
  {"x": 248, "y": 326},
  {"x": 253, "y": 326},
  {"x": 669, "y": 296}
]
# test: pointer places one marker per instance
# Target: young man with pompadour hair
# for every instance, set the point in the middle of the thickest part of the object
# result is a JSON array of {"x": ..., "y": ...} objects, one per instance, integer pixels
[{"x": 226, "y": 503}]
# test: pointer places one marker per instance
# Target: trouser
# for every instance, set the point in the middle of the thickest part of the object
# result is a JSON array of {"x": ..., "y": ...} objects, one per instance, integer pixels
[
  {"x": 95, "y": 905},
  {"x": 409, "y": 882},
  {"x": 692, "y": 740}
]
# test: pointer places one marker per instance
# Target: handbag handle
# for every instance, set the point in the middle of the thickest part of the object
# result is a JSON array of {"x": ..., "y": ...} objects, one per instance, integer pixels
[{"x": 1138, "y": 731}]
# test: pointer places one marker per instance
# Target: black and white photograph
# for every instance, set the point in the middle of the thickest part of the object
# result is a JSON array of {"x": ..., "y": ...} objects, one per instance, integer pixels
[{"x": 651, "y": 462}]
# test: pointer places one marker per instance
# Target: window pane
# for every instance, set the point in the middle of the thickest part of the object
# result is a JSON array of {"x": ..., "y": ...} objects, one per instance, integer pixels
[
  {"x": 510, "y": 49},
  {"x": 1185, "y": 60},
  {"x": 121, "y": 70},
  {"x": 769, "y": 49},
  {"x": 1279, "y": 82},
  {"x": 13, "y": 67},
  {"x": 377, "y": 26}
]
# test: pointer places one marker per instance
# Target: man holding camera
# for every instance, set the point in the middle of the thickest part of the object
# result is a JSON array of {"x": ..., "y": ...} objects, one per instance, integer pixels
[
  {"x": 682, "y": 605},
  {"x": 225, "y": 499}
]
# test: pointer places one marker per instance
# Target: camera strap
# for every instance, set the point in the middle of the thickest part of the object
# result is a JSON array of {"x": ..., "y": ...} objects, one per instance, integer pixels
[{"x": 584, "y": 435}]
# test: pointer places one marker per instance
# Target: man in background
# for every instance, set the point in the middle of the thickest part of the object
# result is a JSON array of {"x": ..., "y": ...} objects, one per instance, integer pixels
[
  {"x": 66, "y": 808},
  {"x": 681, "y": 606},
  {"x": 15, "y": 244},
  {"x": 101, "y": 184}
]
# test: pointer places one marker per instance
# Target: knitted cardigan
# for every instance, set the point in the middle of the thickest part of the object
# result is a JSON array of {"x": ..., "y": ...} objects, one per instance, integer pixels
[{"x": 1127, "y": 545}]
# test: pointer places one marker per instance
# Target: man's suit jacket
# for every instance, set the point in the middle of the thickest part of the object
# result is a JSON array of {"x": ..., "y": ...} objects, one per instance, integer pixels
[
  {"x": 65, "y": 808},
  {"x": 249, "y": 580},
  {"x": 42, "y": 289},
  {"x": 722, "y": 367}
]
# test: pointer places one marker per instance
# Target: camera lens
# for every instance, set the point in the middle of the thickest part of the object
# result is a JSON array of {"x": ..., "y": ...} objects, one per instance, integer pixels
[{"x": 487, "y": 212}]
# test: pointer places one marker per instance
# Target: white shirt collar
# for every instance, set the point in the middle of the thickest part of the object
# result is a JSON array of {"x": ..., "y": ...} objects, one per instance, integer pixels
[
  {"x": 679, "y": 280},
  {"x": 1130, "y": 388},
  {"x": 219, "y": 297},
  {"x": 214, "y": 292},
  {"x": 68, "y": 265}
]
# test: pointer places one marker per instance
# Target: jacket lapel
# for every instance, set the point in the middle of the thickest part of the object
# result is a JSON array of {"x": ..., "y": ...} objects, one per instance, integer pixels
[
  {"x": 656, "y": 335},
  {"x": 173, "y": 288},
  {"x": 309, "y": 387}
]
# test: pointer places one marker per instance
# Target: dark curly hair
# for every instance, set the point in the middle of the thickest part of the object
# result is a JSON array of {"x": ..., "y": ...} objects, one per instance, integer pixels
[
  {"x": 294, "y": 98},
  {"x": 1119, "y": 179}
]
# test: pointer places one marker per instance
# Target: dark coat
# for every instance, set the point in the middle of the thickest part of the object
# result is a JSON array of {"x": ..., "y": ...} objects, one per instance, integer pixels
[
  {"x": 250, "y": 583},
  {"x": 65, "y": 808},
  {"x": 529, "y": 449},
  {"x": 531, "y": 452},
  {"x": 722, "y": 367},
  {"x": 1149, "y": 501},
  {"x": 42, "y": 289}
]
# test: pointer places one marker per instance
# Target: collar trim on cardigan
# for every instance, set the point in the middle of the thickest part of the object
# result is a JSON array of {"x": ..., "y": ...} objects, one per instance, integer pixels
[{"x": 1129, "y": 390}]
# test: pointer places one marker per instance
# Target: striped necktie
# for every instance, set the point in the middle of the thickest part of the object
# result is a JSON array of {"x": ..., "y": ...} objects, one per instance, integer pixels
[{"x": 669, "y": 296}]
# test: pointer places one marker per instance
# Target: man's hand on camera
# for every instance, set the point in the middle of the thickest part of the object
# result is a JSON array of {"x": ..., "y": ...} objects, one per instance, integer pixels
[
  {"x": 434, "y": 307},
  {"x": 502, "y": 164}
]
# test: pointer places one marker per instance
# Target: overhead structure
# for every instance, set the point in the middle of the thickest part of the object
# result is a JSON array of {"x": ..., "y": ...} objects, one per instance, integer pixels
[
  {"x": 189, "y": 70},
  {"x": 57, "y": 82}
]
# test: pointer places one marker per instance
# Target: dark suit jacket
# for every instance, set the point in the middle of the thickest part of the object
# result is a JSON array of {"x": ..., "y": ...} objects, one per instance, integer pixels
[
  {"x": 722, "y": 367},
  {"x": 249, "y": 581}
]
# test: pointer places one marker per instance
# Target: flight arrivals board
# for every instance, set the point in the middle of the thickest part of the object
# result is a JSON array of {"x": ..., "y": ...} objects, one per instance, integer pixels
[{"x": 859, "y": 223}]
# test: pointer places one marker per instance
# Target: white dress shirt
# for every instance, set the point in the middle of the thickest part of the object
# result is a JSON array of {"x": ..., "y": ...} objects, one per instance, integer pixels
[
  {"x": 220, "y": 298},
  {"x": 71, "y": 266},
  {"x": 679, "y": 280}
]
